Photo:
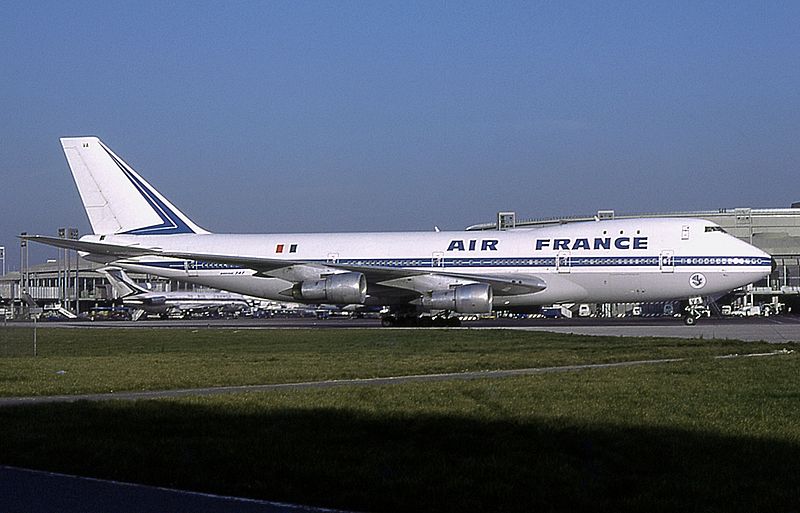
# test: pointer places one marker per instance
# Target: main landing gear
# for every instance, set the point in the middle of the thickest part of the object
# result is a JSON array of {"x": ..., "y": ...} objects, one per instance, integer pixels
[{"x": 420, "y": 321}]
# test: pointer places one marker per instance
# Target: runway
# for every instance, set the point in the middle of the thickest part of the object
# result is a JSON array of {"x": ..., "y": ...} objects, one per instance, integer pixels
[
  {"x": 777, "y": 329},
  {"x": 766, "y": 332}
]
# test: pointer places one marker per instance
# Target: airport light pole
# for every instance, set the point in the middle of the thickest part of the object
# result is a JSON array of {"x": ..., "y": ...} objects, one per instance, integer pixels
[
  {"x": 63, "y": 274},
  {"x": 3, "y": 258},
  {"x": 73, "y": 234},
  {"x": 23, "y": 268}
]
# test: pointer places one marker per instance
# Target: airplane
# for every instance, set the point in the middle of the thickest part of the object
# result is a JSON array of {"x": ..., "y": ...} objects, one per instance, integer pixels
[
  {"x": 165, "y": 303},
  {"x": 413, "y": 274}
]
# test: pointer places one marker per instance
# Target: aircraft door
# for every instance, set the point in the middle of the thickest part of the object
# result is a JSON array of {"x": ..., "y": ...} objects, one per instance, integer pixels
[
  {"x": 333, "y": 258},
  {"x": 666, "y": 261},
  {"x": 190, "y": 266},
  {"x": 563, "y": 262},
  {"x": 437, "y": 259}
]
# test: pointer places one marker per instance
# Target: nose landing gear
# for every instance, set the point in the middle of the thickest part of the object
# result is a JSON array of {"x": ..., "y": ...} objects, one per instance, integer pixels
[{"x": 696, "y": 309}]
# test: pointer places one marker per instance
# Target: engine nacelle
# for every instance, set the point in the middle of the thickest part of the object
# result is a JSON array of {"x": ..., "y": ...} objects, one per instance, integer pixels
[
  {"x": 154, "y": 300},
  {"x": 473, "y": 298},
  {"x": 336, "y": 289}
]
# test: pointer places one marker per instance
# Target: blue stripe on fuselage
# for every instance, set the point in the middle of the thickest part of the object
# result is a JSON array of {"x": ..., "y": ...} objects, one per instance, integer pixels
[{"x": 539, "y": 262}]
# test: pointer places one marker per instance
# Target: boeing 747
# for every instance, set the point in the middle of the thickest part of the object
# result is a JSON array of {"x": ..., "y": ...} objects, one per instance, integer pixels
[{"x": 136, "y": 228}]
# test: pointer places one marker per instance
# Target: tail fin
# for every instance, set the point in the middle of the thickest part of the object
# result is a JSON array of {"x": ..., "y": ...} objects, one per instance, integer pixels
[
  {"x": 116, "y": 199},
  {"x": 123, "y": 286}
]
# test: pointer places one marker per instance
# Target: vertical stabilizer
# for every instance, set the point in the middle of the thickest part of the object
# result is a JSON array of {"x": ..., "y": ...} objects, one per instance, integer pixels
[{"x": 118, "y": 200}]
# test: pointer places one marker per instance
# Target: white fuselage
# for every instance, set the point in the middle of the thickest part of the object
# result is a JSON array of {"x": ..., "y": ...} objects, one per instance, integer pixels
[
  {"x": 155, "y": 302},
  {"x": 589, "y": 262}
]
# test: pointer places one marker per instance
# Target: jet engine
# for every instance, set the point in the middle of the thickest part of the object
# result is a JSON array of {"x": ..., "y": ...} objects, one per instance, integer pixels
[
  {"x": 473, "y": 298},
  {"x": 155, "y": 300},
  {"x": 337, "y": 289}
]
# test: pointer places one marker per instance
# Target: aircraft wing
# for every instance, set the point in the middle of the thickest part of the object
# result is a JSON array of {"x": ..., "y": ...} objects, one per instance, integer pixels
[
  {"x": 419, "y": 280},
  {"x": 98, "y": 248},
  {"x": 438, "y": 278},
  {"x": 507, "y": 284},
  {"x": 117, "y": 250}
]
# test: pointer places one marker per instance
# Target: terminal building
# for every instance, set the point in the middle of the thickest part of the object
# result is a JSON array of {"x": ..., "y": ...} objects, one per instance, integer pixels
[
  {"x": 69, "y": 287},
  {"x": 73, "y": 284}
]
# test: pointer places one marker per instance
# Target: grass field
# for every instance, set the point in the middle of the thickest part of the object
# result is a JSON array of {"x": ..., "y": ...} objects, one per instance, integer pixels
[
  {"x": 74, "y": 361},
  {"x": 700, "y": 435}
]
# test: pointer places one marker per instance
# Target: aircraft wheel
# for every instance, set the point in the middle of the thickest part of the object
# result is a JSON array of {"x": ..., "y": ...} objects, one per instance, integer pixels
[{"x": 454, "y": 322}]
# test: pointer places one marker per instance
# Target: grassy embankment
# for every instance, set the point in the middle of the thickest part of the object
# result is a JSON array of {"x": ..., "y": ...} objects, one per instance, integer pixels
[{"x": 701, "y": 435}]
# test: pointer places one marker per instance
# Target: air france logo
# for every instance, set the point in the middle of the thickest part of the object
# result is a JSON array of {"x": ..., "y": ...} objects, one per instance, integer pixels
[
  {"x": 472, "y": 245},
  {"x": 596, "y": 243}
]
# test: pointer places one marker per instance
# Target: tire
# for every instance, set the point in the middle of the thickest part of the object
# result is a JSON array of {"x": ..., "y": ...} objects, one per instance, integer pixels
[
  {"x": 387, "y": 322},
  {"x": 454, "y": 322},
  {"x": 690, "y": 320}
]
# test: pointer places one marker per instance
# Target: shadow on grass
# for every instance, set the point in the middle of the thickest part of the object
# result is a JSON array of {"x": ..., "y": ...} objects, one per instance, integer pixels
[{"x": 355, "y": 460}]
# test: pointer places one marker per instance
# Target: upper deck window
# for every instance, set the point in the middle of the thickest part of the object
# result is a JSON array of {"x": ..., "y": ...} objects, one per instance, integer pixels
[{"x": 715, "y": 229}]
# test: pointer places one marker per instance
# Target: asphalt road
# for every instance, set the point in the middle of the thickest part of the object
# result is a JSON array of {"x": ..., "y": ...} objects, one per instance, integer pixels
[
  {"x": 33, "y": 491},
  {"x": 777, "y": 329}
]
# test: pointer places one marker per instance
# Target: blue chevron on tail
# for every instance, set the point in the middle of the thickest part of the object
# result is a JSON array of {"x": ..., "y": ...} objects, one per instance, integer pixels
[{"x": 116, "y": 199}]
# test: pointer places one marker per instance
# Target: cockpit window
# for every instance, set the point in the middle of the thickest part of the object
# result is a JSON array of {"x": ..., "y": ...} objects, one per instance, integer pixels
[{"x": 715, "y": 229}]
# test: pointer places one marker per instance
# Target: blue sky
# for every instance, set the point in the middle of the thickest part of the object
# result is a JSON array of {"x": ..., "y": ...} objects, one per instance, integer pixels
[{"x": 356, "y": 116}]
